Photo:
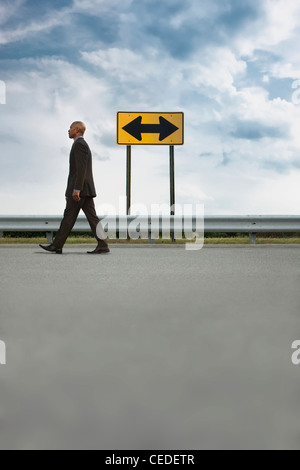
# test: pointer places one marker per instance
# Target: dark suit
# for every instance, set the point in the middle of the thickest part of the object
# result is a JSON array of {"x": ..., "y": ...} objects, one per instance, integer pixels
[
  {"x": 81, "y": 179},
  {"x": 81, "y": 171}
]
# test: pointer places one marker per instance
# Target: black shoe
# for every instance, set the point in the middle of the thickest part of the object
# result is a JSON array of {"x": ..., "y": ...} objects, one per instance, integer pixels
[
  {"x": 100, "y": 250},
  {"x": 52, "y": 249}
]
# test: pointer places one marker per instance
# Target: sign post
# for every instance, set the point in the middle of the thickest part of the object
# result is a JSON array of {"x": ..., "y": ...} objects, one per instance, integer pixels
[
  {"x": 172, "y": 180},
  {"x": 128, "y": 180},
  {"x": 172, "y": 186},
  {"x": 149, "y": 128}
]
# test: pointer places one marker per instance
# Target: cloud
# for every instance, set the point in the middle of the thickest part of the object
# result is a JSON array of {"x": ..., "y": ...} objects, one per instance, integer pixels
[
  {"x": 228, "y": 65},
  {"x": 31, "y": 28},
  {"x": 8, "y": 9},
  {"x": 182, "y": 28},
  {"x": 281, "y": 166},
  {"x": 276, "y": 26},
  {"x": 253, "y": 130},
  {"x": 44, "y": 97},
  {"x": 239, "y": 14}
]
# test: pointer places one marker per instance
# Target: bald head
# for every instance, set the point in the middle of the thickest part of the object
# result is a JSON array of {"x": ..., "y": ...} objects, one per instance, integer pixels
[{"x": 77, "y": 129}]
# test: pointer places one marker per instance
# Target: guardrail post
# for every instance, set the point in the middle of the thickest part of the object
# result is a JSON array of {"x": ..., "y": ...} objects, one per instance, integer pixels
[
  {"x": 252, "y": 237},
  {"x": 49, "y": 237},
  {"x": 150, "y": 239}
]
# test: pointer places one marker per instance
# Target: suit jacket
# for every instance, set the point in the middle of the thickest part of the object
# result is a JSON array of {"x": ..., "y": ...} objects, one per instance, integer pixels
[{"x": 81, "y": 170}]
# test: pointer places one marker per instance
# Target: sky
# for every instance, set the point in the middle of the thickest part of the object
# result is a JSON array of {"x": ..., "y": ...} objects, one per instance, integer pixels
[{"x": 231, "y": 66}]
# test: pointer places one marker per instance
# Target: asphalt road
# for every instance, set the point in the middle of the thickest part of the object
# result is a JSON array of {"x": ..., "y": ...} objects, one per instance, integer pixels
[{"x": 150, "y": 348}]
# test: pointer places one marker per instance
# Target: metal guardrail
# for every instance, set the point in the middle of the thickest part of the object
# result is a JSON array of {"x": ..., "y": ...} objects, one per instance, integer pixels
[{"x": 251, "y": 224}]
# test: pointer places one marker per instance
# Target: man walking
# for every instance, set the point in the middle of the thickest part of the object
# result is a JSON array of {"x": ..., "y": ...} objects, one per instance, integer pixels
[{"x": 80, "y": 194}]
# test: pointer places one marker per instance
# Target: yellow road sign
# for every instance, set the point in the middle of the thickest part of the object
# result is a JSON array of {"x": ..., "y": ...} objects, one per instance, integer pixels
[{"x": 150, "y": 128}]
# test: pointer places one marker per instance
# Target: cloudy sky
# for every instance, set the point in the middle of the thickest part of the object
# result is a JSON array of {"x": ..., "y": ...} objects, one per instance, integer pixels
[{"x": 232, "y": 66}]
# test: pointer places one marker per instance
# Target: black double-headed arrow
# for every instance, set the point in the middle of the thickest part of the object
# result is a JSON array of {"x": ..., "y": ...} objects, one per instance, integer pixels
[{"x": 165, "y": 128}]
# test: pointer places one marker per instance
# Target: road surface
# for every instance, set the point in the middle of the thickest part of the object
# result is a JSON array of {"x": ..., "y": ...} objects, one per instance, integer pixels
[{"x": 150, "y": 347}]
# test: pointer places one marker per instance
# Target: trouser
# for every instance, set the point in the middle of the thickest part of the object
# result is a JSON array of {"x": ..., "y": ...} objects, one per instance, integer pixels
[{"x": 70, "y": 216}]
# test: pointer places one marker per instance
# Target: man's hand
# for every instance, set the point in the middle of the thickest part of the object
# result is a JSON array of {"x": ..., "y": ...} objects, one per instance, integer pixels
[{"x": 76, "y": 196}]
